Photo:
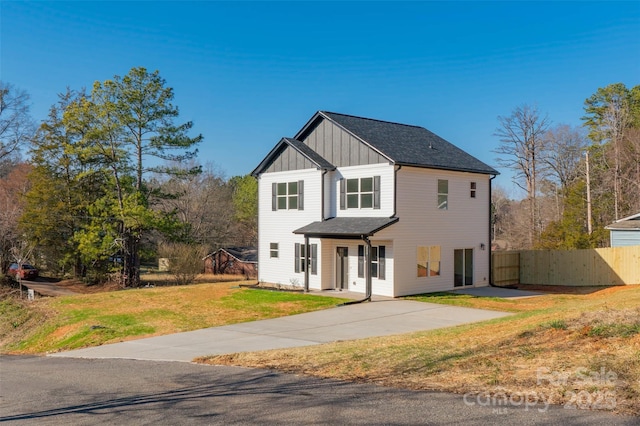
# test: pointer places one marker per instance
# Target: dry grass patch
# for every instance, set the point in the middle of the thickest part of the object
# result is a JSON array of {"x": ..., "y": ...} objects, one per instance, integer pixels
[{"x": 555, "y": 348}]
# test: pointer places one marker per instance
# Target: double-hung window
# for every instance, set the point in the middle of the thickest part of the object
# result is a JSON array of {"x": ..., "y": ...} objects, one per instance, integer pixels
[
  {"x": 360, "y": 193},
  {"x": 273, "y": 249},
  {"x": 378, "y": 268},
  {"x": 287, "y": 195},
  {"x": 301, "y": 262},
  {"x": 443, "y": 194},
  {"x": 428, "y": 260}
]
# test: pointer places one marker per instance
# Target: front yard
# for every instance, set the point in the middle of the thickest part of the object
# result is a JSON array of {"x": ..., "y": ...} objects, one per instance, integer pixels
[
  {"x": 582, "y": 350},
  {"x": 71, "y": 322}
]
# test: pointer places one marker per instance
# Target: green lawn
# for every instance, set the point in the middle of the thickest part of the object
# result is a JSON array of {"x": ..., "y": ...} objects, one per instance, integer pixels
[{"x": 71, "y": 322}]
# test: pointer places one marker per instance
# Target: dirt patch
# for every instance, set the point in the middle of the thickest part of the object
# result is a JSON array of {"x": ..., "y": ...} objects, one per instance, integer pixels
[
  {"x": 147, "y": 280},
  {"x": 559, "y": 289},
  {"x": 78, "y": 286},
  {"x": 276, "y": 287}
]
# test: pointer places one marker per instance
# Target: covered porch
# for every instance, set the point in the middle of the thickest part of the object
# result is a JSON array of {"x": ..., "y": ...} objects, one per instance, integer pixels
[{"x": 349, "y": 259}]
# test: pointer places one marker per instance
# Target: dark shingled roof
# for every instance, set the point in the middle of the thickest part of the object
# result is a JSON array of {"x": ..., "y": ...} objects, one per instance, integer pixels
[
  {"x": 243, "y": 254},
  {"x": 409, "y": 145},
  {"x": 627, "y": 223},
  {"x": 346, "y": 227}
]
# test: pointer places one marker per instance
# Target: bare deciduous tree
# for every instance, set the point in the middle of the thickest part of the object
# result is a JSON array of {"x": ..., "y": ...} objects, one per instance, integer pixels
[
  {"x": 631, "y": 171},
  {"x": 185, "y": 261},
  {"x": 564, "y": 149},
  {"x": 608, "y": 116},
  {"x": 522, "y": 149},
  {"x": 204, "y": 203},
  {"x": 16, "y": 125},
  {"x": 12, "y": 190}
]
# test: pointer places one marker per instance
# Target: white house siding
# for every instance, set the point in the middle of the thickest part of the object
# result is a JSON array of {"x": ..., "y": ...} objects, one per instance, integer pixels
[
  {"x": 464, "y": 225},
  {"x": 355, "y": 283},
  {"x": 330, "y": 197},
  {"x": 384, "y": 170},
  {"x": 327, "y": 265},
  {"x": 277, "y": 226}
]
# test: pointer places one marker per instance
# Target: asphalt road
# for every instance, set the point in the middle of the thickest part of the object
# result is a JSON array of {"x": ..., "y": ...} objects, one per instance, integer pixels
[{"x": 64, "y": 391}]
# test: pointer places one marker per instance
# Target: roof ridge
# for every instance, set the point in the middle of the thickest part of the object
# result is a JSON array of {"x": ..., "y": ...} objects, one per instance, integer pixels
[{"x": 373, "y": 119}]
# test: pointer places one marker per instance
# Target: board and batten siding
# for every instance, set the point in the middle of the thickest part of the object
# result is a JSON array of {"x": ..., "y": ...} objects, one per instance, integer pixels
[
  {"x": 289, "y": 159},
  {"x": 277, "y": 226},
  {"x": 464, "y": 225},
  {"x": 339, "y": 147}
]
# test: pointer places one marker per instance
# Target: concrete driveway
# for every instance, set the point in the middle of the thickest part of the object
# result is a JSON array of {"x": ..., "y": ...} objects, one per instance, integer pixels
[{"x": 382, "y": 317}]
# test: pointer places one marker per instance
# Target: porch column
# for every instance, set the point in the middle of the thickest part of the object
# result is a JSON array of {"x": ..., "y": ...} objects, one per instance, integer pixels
[
  {"x": 307, "y": 264},
  {"x": 367, "y": 261}
]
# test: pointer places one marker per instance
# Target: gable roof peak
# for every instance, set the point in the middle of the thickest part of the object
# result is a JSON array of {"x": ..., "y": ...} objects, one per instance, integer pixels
[{"x": 304, "y": 150}]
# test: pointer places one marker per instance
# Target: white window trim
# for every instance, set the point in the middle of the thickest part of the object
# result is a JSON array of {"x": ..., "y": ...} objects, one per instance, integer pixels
[
  {"x": 273, "y": 250},
  {"x": 288, "y": 195},
  {"x": 346, "y": 195},
  {"x": 443, "y": 205},
  {"x": 429, "y": 261}
]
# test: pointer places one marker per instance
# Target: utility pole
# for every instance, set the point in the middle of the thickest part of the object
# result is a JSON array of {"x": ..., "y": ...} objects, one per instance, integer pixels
[{"x": 589, "y": 226}]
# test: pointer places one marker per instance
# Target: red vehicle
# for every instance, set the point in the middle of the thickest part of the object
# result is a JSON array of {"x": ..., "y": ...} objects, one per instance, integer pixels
[{"x": 24, "y": 272}]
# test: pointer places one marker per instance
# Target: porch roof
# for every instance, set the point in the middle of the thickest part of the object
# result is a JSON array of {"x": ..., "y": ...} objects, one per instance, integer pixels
[{"x": 346, "y": 227}]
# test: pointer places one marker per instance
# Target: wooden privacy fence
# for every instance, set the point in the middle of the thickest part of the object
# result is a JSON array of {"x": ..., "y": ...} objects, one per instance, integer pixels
[
  {"x": 591, "y": 267},
  {"x": 505, "y": 267}
]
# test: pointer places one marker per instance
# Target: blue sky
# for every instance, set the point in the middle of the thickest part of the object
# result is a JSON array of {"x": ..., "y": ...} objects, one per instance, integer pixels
[{"x": 249, "y": 73}]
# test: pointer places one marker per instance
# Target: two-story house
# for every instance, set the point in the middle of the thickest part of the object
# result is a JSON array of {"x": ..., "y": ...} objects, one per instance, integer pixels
[{"x": 374, "y": 207}]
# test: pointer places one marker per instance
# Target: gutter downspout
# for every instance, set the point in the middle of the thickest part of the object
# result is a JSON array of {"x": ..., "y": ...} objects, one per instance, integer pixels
[
  {"x": 490, "y": 225},
  {"x": 306, "y": 238},
  {"x": 369, "y": 289},
  {"x": 368, "y": 269},
  {"x": 258, "y": 242},
  {"x": 323, "y": 194},
  {"x": 395, "y": 190}
]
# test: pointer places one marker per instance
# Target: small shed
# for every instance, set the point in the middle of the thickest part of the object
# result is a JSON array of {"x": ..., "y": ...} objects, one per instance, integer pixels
[
  {"x": 233, "y": 261},
  {"x": 625, "y": 232}
]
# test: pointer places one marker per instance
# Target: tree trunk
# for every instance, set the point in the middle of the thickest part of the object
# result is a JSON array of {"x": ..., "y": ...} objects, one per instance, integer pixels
[{"x": 131, "y": 267}]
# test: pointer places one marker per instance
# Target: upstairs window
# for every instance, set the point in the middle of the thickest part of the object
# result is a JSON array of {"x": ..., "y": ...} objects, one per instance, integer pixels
[
  {"x": 443, "y": 194},
  {"x": 287, "y": 195},
  {"x": 360, "y": 193},
  {"x": 472, "y": 189}
]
